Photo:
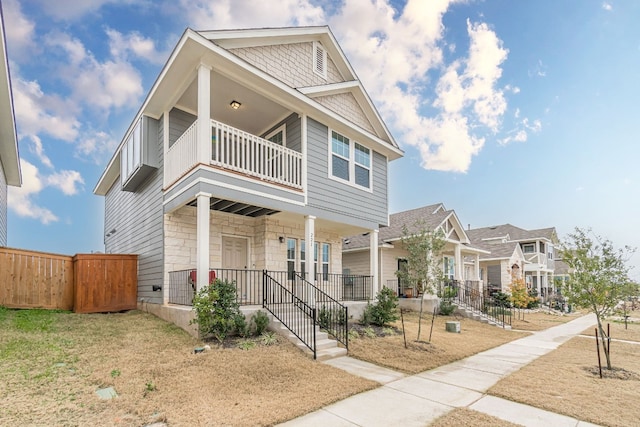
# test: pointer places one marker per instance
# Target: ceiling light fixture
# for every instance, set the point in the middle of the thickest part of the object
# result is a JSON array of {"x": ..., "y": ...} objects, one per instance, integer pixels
[{"x": 235, "y": 104}]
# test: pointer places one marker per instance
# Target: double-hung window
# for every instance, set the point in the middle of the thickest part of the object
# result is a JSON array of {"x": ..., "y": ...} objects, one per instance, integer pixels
[
  {"x": 291, "y": 258},
  {"x": 350, "y": 161},
  {"x": 325, "y": 261}
]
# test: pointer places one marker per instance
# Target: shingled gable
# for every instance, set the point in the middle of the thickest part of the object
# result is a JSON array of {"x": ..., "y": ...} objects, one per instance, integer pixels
[
  {"x": 431, "y": 217},
  {"x": 511, "y": 233},
  {"x": 248, "y": 44}
]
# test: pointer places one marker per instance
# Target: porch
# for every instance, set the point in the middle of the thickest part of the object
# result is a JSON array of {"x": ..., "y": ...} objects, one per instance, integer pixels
[{"x": 251, "y": 285}]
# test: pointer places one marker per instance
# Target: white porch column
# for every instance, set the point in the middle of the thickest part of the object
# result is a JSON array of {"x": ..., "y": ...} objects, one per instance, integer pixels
[
  {"x": 202, "y": 240},
  {"x": 539, "y": 284},
  {"x": 476, "y": 267},
  {"x": 373, "y": 261},
  {"x": 309, "y": 245},
  {"x": 457, "y": 254},
  {"x": 204, "y": 114}
]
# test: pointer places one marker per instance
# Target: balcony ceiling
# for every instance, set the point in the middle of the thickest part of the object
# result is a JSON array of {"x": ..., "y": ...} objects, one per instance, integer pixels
[
  {"x": 237, "y": 208},
  {"x": 256, "y": 115}
]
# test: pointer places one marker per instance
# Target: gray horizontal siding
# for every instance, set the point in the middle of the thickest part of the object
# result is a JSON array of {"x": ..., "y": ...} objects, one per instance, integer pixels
[
  {"x": 3, "y": 207},
  {"x": 179, "y": 121},
  {"x": 327, "y": 195},
  {"x": 137, "y": 218},
  {"x": 293, "y": 132}
]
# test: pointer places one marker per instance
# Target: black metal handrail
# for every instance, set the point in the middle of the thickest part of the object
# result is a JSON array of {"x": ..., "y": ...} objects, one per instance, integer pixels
[
  {"x": 294, "y": 313},
  {"x": 332, "y": 316},
  {"x": 346, "y": 287},
  {"x": 475, "y": 300},
  {"x": 182, "y": 285}
]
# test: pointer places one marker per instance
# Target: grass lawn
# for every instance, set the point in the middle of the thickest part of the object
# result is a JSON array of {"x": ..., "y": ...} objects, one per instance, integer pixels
[
  {"x": 463, "y": 417},
  {"x": 52, "y": 363},
  {"x": 566, "y": 380},
  {"x": 444, "y": 347},
  {"x": 540, "y": 319}
]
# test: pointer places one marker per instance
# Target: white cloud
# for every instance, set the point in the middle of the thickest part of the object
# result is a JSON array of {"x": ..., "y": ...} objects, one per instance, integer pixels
[
  {"x": 20, "y": 31},
  {"x": 21, "y": 198},
  {"x": 207, "y": 15},
  {"x": 539, "y": 70},
  {"x": 37, "y": 149},
  {"x": 39, "y": 113},
  {"x": 521, "y": 133},
  {"x": 110, "y": 84},
  {"x": 607, "y": 6},
  {"x": 66, "y": 181},
  {"x": 515, "y": 136},
  {"x": 96, "y": 145},
  {"x": 123, "y": 45}
]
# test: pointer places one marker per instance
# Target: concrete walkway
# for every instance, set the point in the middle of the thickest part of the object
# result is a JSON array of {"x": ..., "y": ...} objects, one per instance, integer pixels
[{"x": 419, "y": 399}]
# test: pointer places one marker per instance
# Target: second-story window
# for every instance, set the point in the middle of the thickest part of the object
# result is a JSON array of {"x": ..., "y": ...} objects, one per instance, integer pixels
[
  {"x": 529, "y": 248},
  {"x": 278, "y": 136},
  {"x": 350, "y": 161}
]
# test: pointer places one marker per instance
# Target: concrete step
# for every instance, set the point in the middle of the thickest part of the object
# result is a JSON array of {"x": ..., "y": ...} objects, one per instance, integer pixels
[{"x": 330, "y": 353}]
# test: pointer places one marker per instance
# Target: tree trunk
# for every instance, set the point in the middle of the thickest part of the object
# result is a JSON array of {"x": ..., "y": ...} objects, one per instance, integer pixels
[
  {"x": 605, "y": 347},
  {"x": 420, "y": 317}
]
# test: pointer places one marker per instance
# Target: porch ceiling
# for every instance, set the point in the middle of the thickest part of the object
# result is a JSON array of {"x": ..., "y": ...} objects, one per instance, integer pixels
[
  {"x": 255, "y": 115},
  {"x": 237, "y": 208}
]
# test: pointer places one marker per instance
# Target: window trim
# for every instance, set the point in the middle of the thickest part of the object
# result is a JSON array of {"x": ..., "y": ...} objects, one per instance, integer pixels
[
  {"x": 282, "y": 128},
  {"x": 531, "y": 245},
  {"x": 351, "y": 161}
]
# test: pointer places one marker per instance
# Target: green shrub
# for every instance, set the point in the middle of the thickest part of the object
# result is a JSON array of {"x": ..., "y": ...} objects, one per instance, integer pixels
[
  {"x": 217, "y": 311},
  {"x": 501, "y": 299},
  {"x": 328, "y": 317},
  {"x": 448, "y": 292},
  {"x": 446, "y": 308},
  {"x": 384, "y": 311},
  {"x": 268, "y": 338},
  {"x": 535, "y": 301},
  {"x": 260, "y": 320}
]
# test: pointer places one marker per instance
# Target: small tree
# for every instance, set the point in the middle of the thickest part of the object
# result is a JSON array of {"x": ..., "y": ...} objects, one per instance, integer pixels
[
  {"x": 520, "y": 297},
  {"x": 424, "y": 249},
  {"x": 217, "y": 311},
  {"x": 598, "y": 276}
]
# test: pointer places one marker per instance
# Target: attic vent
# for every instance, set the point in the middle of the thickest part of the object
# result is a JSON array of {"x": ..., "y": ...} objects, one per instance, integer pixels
[{"x": 319, "y": 60}]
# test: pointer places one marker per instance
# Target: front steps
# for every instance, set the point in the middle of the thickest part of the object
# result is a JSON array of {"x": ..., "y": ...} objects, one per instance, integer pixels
[
  {"x": 326, "y": 347},
  {"x": 471, "y": 313}
]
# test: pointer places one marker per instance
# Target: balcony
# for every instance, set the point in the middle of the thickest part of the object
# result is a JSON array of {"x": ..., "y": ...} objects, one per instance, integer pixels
[{"x": 238, "y": 152}]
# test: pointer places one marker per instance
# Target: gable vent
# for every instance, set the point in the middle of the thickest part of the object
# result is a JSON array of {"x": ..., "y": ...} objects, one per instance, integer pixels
[{"x": 319, "y": 60}]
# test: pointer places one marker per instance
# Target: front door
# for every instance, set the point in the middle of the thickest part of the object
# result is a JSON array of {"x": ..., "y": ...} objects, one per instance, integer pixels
[{"x": 235, "y": 260}]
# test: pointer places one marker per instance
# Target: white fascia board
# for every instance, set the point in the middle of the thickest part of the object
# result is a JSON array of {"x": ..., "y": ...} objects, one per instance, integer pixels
[
  {"x": 457, "y": 224},
  {"x": 9, "y": 154},
  {"x": 329, "y": 89}
]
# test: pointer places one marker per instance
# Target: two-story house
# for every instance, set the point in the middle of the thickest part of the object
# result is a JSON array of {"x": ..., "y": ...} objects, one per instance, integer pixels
[
  {"x": 534, "y": 247},
  {"x": 9, "y": 157},
  {"x": 254, "y": 151}
]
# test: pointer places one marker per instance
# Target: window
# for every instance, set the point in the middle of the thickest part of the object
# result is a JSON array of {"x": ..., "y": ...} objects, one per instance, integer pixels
[
  {"x": 138, "y": 155},
  {"x": 291, "y": 258},
  {"x": 363, "y": 165},
  {"x": 325, "y": 261},
  {"x": 279, "y": 135},
  {"x": 529, "y": 248},
  {"x": 130, "y": 155},
  {"x": 350, "y": 161},
  {"x": 340, "y": 156},
  {"x": 319, "y": 60},
  {"x": 449, "y": 268},
  {"x": 315, "y": 259},
  {"x": 541, "y": 247}
]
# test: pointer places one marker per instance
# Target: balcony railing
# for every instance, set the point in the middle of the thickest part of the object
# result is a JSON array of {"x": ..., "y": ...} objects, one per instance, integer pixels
[{"x": 238, "y": 151}]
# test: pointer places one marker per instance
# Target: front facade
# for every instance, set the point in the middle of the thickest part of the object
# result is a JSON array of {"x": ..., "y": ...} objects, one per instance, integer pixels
[
  {"x": 9, "y": 157},
  {"x": 460, "y": 259},
  {"x": 255, "y": 150},
  {"x": 532, "y": 256}
]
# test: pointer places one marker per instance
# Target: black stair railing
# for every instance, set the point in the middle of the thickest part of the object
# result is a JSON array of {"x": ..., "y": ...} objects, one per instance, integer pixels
[
  {"x": 294, "y": 313},
  {"x": 475, "y": 300},
  {"x": 332, "y": 315}
]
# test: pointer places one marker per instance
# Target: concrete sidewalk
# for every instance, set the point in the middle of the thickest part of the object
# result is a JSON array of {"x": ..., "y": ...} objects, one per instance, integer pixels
[{"x": 419, "y": 399}]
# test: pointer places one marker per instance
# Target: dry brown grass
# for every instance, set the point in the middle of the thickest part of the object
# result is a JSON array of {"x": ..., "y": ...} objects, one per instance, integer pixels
[
  {"x": 445, "y": 347},
  {"x": 539, "y": 320},
  {"x": 566, "y": 381},
  {"x": 49, "y": 374},
  {"x": 463, "y": 417},
  {"x": 618, "y": 331}
]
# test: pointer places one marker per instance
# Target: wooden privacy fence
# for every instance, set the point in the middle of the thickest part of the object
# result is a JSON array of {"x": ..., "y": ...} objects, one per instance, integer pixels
[{"x": 84, "y": 283}]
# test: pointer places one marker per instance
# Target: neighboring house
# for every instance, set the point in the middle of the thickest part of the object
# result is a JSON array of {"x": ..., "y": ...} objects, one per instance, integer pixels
[
  {"x": 9, "y": 157},
  {"x": 537, "y": 247},
  {"x": 254, "y": 150},
  {"x": 501, "y": 264},
  {"x": 392, "y": 254}
]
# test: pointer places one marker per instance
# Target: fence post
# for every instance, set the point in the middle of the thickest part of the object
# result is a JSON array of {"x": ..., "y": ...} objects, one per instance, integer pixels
[
  {"x": 315, "y": 321},
  {"x": 264, "y": 288}
]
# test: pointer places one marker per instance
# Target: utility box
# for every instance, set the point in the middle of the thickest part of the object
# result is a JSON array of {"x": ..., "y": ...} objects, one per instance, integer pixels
[{"x": 453, "y": 327}]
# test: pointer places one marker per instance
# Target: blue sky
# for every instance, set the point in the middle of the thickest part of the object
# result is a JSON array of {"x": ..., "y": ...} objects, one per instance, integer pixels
[{"x": 508, "y": 111}]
